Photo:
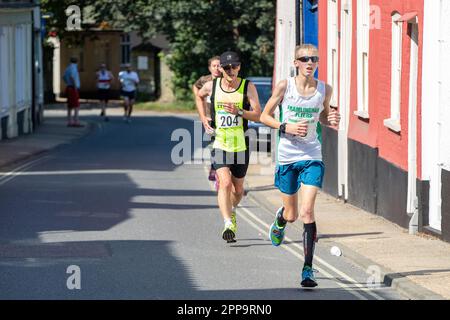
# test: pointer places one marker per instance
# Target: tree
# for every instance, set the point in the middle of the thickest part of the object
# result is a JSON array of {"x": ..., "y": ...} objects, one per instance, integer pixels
[{"x": 196, "y": 30}]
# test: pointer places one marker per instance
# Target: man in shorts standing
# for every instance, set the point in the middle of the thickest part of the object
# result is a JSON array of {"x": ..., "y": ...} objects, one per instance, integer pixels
[
  {"x": 204, "y": 106},
  {"x": 305, "y": 105},
  {"x": 72, "y": 79},
  {"x": 234, "y": 101}
]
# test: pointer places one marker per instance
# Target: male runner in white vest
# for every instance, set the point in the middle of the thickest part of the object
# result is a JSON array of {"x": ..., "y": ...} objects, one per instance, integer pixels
[
  {"x": 234, "y": 101},
  {"x": 305, "y": 104},
  {"x": 104, "y": 78},
  {"x": 204, "y": 107}
]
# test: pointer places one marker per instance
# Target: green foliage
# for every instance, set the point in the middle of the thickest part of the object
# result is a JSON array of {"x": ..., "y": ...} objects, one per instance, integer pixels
[
  {"x": 199, "y": 29},
  {"x": 196, "y": 30}
]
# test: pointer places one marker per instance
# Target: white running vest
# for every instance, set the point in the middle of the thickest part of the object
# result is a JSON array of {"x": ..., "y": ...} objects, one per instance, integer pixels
[
  {"x": 295, "y": 108},
  {"x": 104, "y": 80}
]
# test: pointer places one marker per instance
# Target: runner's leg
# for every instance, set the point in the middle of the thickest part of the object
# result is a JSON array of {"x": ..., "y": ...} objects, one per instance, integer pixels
[
  {"x": 224, "y": 193},
  {"x": 130, "y": 107},
  {"x": 308, "y": 194},
  {"x": 237, "y": 190}
]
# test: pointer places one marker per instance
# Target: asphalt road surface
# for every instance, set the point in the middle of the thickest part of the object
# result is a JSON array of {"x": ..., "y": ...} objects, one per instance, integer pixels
[{"x": 111, "y": 216}]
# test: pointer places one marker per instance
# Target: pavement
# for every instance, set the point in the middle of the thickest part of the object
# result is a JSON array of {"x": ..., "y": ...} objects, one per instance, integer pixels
[
  {"x": 417, "y": 266},
  {"x": 52, "y": 133}
]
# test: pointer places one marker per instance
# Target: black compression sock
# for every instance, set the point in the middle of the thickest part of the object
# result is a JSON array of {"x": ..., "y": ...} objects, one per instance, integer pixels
[
  {"x": 309, "y": 240},
  {"x": 280, "y": 220}
]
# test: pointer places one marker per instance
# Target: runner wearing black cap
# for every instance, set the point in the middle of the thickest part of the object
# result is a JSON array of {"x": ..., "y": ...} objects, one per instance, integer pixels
[{"x": 234, "y": 101}]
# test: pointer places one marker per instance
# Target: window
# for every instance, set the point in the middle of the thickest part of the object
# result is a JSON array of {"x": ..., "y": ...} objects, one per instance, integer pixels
[
  {"x": 20, "y": 59},
  {"x": 23, "y": 65},
  {"x": 363, "y": 26},
  {"x": 333, "y": 49},
  {"x": 125, "y": 47},
  {"x": 393, "y": 122}
]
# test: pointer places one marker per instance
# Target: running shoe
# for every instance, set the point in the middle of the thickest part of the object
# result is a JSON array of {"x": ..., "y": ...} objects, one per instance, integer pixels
[
  {"x": 233, "y": 219},
  {"x": 308, "y": 280},
  {"x": 229, "y": 232},
  {"x": 276, "y": 233}
]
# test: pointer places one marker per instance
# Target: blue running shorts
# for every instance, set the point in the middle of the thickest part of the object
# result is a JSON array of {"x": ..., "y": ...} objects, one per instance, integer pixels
[{"x": 289, "y": 177}]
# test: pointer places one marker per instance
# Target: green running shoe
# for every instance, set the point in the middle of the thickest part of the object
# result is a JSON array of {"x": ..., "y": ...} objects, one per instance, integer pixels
[
  {"x": 276, "y": 233},
  {"x": 233, "y": 220}
]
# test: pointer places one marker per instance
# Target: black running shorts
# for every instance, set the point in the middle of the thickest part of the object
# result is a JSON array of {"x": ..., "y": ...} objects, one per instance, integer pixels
[{"x": 236, "y": 161}]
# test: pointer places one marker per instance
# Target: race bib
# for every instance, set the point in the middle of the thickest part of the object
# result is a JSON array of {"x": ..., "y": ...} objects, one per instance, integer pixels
[{"x": 227, "y": 120}]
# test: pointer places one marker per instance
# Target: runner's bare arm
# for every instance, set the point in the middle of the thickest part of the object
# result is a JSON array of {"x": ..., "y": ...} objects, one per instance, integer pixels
[
  {"x": 200, "y": 96},
  {"x": 255, "y": 113},
  {"x": 329, "y": 115},
  {"x": 277, "y": 95},
  {"x": 300, "y": 128},
  {"x": 199, "y": 103}
]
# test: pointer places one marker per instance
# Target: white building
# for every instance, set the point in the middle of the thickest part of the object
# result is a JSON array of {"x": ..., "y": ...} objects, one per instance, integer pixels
[
  {"x": 21, "y": 81},
  {"x": 436, "y": 113}
]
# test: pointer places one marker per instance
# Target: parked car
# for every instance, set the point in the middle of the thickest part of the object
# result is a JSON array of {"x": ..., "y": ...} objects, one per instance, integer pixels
[{"x": 264, "y": 87}]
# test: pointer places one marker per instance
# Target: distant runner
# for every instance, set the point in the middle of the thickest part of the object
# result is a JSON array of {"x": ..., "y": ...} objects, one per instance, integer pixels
[
  {"x": 104, "y": 78},
  {"x": 204, "y": 107},
  {"x": 129, "y": 80}
]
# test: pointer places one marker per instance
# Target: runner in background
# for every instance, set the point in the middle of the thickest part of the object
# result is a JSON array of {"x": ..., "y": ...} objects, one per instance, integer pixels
[
  {"x": 204, "y": 106},
  {"x": 104, "y": 79},
  {"x": 129, "y": 80}
]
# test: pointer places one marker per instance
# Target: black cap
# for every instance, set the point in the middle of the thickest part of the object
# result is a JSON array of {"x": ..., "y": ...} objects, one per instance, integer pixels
[{"x": 229, "y": 57}]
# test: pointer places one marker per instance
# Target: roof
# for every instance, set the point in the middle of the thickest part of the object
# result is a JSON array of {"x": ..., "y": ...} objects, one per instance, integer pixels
[{"x": 146, "y": 47}]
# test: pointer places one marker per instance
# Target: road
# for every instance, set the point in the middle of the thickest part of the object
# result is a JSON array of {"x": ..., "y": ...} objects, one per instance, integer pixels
[{"x": 112, "y": 217}]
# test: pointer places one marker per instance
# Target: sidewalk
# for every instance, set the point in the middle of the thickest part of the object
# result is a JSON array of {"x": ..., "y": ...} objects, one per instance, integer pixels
[
  {"x": 418, "y": 266},
  {"x": 52, "y": 133}
]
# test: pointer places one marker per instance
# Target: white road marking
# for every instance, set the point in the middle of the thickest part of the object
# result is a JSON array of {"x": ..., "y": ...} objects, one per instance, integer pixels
[
  {"x": 8, "y": 176},
  {"x": 316, "y": 257},
  {"x": 296, "y": 254}
]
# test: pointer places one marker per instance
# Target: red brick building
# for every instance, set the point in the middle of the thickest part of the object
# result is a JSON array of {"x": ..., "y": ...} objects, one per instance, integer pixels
[{"x": 388, "y": 64}]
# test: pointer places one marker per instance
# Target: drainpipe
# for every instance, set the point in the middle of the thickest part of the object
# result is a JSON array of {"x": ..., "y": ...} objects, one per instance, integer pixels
[
  {"x": 299, "y": 36},
  {"x": 412, "y": 201}
]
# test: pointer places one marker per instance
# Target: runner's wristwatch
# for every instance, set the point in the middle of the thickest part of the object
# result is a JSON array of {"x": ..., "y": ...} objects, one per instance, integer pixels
[
  {"x": 240, "y": 113},
  {"x": 282, "y": 128}
]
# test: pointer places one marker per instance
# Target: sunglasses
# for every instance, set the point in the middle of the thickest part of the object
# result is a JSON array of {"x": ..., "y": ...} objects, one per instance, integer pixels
[
  {"x": 314, "y": 59},
  {"x": 228, "y": 67}
]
